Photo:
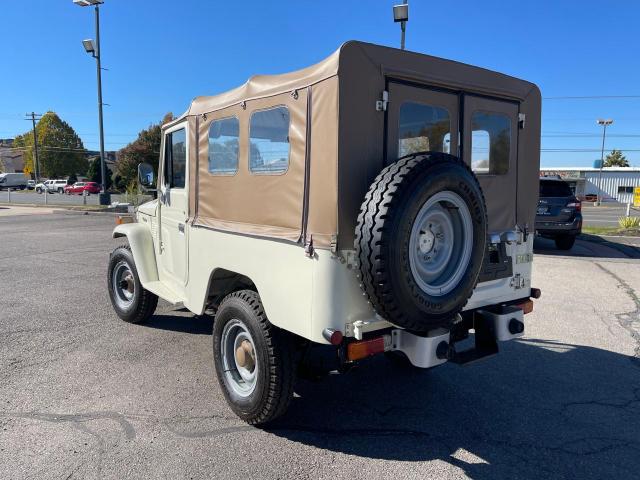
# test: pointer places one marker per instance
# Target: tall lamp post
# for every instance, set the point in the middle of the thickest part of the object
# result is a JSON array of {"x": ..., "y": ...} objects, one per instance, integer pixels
[
  {"x": 94, "y": 49},
  {"x": 401, "y": 14},
  {"x": 604, "y": 123}
]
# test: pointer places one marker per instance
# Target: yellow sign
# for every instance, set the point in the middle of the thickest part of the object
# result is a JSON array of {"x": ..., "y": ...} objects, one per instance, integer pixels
[{"x": 636, "y": 197}]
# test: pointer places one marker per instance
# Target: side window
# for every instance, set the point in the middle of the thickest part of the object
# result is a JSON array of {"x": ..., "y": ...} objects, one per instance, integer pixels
[
  {"x": 223, "y": 146},
  {"x": 175, "y": 158},
  {"x": 269, "y": 141},
  {"x": 423, "y": 128},
  {"x": 490, "y": 143}
]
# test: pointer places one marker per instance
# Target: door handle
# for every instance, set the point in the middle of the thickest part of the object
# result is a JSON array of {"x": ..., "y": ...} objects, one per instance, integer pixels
[{"x": 181, "y": 228}]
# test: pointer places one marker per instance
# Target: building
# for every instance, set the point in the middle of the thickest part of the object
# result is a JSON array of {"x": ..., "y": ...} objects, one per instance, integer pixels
[
  {"x": 617, "y": 182},
  {"x": 11, "y": 160}
]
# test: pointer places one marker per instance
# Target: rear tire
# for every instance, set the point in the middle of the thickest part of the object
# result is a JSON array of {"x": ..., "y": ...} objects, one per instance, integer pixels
[
  {"x": 130, "y": 300},
  {"x": 259, "y": 386},
  {"x": 565, "y": 242},
  {"x": 61, "y": 191}
]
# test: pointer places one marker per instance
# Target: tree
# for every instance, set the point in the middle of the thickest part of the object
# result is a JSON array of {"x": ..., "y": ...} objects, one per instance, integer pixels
[
  {"x": 616, "y": 159},
  {"x": 94, "y": 172},
  {"x": 146, "y": 148},
  {"x": 60, "y": 150}
]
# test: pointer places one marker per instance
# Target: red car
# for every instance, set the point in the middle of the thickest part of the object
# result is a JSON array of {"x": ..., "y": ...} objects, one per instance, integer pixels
[{"x": 79, "y": 188}]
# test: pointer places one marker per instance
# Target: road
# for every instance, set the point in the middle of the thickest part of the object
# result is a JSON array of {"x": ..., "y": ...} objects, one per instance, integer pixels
[
  {"x": 85, "y": 395},
  {"x": 605, "y": 216}
]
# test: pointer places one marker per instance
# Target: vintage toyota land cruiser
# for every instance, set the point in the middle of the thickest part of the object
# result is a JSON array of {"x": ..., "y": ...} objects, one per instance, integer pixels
[{"x": 378, "y": 201}]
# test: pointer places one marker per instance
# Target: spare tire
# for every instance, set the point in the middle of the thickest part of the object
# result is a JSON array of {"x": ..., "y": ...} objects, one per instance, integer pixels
[{"x": 420, "y": 240}]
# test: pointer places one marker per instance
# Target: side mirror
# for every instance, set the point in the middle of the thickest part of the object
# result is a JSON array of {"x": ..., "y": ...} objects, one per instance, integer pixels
[{"x": 146, "y": 176}]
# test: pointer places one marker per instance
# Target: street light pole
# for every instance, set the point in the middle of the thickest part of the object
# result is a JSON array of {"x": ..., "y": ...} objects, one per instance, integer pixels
[
  {"x": 95, "y": 51},
  {"x": 103, "y": 175},
  {"x": 604, "y": 124},
  {"x": 401, "y": 14}
]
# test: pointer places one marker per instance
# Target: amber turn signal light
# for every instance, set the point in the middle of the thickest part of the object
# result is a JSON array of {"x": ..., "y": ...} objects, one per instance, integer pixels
[
  {"x": 526, "y": 306},
  {"x": 122, "y": 219},
  {"x": 365, "y": 348}
]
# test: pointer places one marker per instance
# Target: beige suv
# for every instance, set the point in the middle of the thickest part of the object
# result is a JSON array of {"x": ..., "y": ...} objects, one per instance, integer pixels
[{"x": 380, "y": 201}]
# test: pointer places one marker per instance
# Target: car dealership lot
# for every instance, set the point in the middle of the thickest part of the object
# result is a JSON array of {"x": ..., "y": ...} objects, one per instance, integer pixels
[{"x": 85, "y": 395}]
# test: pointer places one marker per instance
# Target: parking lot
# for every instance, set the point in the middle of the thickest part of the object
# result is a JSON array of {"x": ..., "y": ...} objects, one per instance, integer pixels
[
  {"x": 607, "y": 215},
  {"x": 29, "y": 197},
  {"x": 85, "y": 395}
]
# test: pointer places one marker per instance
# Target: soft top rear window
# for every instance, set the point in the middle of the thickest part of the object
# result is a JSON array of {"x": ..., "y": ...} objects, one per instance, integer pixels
[{"x": 554, "y": 188}]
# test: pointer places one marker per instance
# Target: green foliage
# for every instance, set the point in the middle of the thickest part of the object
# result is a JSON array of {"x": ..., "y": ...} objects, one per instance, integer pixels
[
  {"x": 94, "y": 174},
  {"x": 616, "y": 159},
  {"x": 60, "y": 150},
  {"x": 629, "y": 222},
  {"x": 145, "y": 149},
  {"x": 73, "y": 178}
]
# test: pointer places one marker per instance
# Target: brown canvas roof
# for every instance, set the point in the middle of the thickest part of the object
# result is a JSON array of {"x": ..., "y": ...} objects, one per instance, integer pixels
[
  {"x": 336, "y": 141},
  {"x": 388, "y": 61}
]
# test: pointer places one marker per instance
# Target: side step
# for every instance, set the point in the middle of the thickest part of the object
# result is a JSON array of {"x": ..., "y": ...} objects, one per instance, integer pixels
[{"x": 164, "y": 292}]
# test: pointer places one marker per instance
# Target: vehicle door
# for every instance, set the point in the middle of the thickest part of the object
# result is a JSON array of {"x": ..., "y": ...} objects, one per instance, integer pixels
[
  {"x": 490, "y": 147},
  {"x": 174, "y": 203}
]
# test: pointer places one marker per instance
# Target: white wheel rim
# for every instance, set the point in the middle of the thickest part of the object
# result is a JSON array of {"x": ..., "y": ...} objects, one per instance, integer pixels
[
  {"x": 240, "y": 378},
  {"x": 124, "y": 285},
  {"x": 440, "y": 244}
]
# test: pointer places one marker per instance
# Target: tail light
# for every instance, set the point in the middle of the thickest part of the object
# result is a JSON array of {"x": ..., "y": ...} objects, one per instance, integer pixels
[{"x": 577, "y": 205}]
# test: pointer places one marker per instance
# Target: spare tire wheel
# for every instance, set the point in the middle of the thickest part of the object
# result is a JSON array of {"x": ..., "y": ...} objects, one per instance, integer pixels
[{"x": 420, "y": 240}]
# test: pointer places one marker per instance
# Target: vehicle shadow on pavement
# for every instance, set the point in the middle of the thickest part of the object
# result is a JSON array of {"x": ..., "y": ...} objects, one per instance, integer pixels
[
  {"x": 192, "y": 324},
  {"x": 587, "y": 246},
  {"x": 541, "y": 409}
]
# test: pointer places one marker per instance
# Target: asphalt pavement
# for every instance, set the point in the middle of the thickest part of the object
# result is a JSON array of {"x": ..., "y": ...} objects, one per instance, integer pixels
[
  {"x": 85, "y": 395},
  {"x": 606, "y": 215}
]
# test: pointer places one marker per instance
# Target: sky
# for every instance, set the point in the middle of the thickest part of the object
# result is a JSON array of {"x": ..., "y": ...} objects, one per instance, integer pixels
[{"x": 159, "y": 54}]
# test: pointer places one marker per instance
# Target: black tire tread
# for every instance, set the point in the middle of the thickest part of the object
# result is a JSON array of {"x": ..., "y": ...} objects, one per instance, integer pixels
[
  {"x": 279, "y": 390},
  {"x": 148, "y": 301},
  {"x": 378, "y": 203}
]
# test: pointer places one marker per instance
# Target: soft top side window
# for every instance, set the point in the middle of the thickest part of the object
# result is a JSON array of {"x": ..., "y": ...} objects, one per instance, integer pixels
[
  {"x": 269, "y": 141},
  {"x": 223, "y": 146}
]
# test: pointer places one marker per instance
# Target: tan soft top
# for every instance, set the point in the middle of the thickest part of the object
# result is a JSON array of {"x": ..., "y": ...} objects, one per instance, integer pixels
[
  {"x": 337, "y": 142},
  {"x": 389, "y": 61}
]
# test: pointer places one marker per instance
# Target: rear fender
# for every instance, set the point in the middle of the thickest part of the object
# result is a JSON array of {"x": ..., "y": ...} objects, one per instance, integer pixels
[{"x": 144, "y": 255}]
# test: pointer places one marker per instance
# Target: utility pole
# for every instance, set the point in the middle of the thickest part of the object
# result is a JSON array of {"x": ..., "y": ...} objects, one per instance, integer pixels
[{"x": 36, "y": 165}]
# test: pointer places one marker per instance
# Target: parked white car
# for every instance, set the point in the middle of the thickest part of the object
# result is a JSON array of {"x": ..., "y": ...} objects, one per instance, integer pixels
[{"x": 51, "y": 186}]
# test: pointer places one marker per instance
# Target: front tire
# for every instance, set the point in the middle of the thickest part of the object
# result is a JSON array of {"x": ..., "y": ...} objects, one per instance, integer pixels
[
  {"x": 565, "y": 242},
  {"x": 130, "y": 300},
  {"x": 253, "y": 359}
]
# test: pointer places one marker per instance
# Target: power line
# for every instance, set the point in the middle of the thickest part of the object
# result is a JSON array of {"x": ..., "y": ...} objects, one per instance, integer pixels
[{"x": 589, "y": 97}]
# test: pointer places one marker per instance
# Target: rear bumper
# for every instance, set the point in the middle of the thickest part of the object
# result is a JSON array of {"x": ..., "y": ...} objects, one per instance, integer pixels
[{"x": 559, "y": 228}]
